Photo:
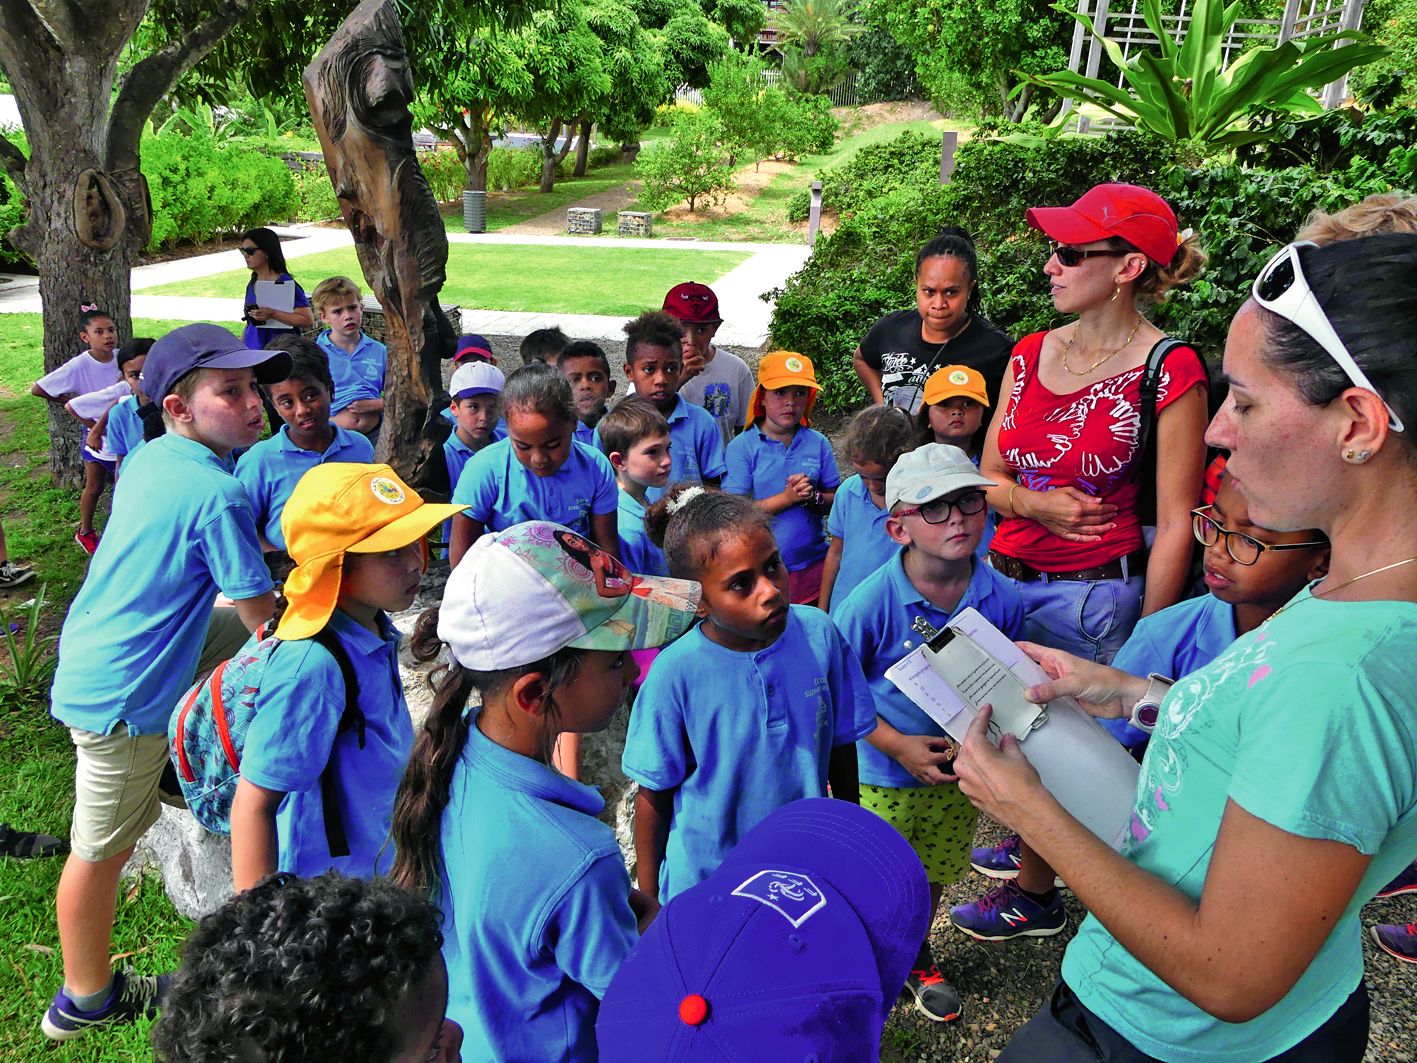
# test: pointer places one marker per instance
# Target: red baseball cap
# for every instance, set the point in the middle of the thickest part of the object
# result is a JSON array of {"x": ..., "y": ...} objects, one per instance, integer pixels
[
  {"x": 1135, "y": 214},
  {"x": 692, "y": 303}
]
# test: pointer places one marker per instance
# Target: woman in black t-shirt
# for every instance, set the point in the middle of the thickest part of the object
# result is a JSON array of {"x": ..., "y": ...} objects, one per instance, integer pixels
[{"x": 902, "y": 349}]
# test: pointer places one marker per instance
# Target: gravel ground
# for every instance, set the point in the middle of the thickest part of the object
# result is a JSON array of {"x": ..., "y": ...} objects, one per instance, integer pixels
[{"x": 1003, "y": 984}]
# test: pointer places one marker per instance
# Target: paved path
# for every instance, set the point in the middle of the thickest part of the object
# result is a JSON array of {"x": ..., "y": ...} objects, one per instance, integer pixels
[{"x": 745, "y": 314}]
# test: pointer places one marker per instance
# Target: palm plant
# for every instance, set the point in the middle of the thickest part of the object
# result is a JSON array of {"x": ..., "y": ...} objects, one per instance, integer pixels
[{"x": 1182, "y": 93}]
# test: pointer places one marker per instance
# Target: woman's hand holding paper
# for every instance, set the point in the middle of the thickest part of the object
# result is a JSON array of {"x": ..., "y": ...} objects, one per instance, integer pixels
[
  {"x": 1101, "y": 690},
  {"x": 999, "y": 781}
]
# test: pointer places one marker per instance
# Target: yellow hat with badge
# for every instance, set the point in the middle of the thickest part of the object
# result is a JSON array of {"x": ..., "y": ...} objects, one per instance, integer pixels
[
  {"x": 344, "y": 508},
  {"x": 783, "y": 369},
  {"x": 953, "y": 381}
]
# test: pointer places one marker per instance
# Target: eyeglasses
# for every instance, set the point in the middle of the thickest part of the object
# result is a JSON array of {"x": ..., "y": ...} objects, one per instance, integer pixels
[
  {"x": 1243, "y": 549},
  {"x": 249, "y": 251},
  {"x": 1068, "y": 255},
  {"x": 1282, "y": 289},
  {"x": 937, "y": 510}
]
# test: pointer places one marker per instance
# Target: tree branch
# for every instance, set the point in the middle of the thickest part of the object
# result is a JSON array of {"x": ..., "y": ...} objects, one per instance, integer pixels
[{"x": 152, "y": 79}]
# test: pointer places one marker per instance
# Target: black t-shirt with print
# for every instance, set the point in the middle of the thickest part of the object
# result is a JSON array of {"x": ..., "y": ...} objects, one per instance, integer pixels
[{"x": 895, "y": 349}]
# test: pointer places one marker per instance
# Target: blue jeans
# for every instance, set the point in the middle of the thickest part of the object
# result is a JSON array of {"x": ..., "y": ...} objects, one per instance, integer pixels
[{"x": 1090, "y": 620}]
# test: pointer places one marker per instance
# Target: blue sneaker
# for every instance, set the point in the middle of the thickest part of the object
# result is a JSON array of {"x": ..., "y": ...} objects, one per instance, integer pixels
[
  {"x": 1005, "y": 913},
  {"x": 1003, "y": 861},
  {"x": 1399, "y": 941},
  {"x": 1406, "y": 882},
  {"x": 132, "y": 996}
]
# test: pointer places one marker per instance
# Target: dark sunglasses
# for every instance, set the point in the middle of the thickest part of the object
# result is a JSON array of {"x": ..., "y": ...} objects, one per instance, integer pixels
[
  {"x": 1243, "y": 549},
  {"x": 937, "y": 510},
  {"x": 1068, "y": 255},
  {"x": 249, "y": 251}
]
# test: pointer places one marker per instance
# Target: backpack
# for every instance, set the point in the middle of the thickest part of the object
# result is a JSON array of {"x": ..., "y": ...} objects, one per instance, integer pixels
[
  {"x": 208, "y": 734},
  {"x": 1145, "y": 466}
]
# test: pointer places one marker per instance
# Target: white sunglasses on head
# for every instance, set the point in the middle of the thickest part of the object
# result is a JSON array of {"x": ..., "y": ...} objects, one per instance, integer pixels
[{"x": 1282, "y": 289}]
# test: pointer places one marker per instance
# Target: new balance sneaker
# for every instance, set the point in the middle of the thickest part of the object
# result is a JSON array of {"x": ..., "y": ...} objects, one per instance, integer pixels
[
  {"x": 1399, "y": 941},
  {"x": 1002, "y": 861},
  {"x": 1006, "y": 912},
  {"x": 1406, "y": 882},
  {"x": 12, "y": 575},
  {"x": 132, "y": 996},
  {"x": 934, "y": 997},
  {"x": 87, "y": 539}
]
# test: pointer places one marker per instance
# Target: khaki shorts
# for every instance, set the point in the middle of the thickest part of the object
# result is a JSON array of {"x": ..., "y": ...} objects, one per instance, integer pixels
[
  {"x": 115, "y": 791},
  {"x": 937, "y": 821}
]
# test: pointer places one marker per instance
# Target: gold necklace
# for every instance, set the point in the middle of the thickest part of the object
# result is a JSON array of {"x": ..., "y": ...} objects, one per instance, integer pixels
[
  {"x": 1345, "y": 583},
  {"x": 1105, "y": 358}
]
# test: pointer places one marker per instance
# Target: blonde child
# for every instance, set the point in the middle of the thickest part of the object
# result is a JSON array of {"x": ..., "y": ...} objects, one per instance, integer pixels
[
  {"x": 759, "y": 705},
  {"x": 355, "y": 532},
  {"x": 787, "y": 468},
  {"x": 856, "y": 525},
  {"x": 538, "y": 912},
  {"x": 357, "y": 362},
  {"x": 539, "y": 472},
  {"x": 635, "y": 437}
]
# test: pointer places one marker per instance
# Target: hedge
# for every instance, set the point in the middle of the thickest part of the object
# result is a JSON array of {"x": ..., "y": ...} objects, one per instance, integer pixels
[{"x": 865, "y": 269}]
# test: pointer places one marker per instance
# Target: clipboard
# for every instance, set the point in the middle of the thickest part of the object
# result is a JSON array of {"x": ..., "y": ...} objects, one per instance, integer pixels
[
  {"x": 1079, "y": 761},
  {"x": 275, "y": 295}
]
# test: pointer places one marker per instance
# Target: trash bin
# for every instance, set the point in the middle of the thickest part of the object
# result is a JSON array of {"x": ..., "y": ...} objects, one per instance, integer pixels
[{"x": 474, "y": 211}]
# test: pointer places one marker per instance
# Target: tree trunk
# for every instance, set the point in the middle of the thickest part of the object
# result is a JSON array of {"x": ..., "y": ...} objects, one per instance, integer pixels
[
  {"x": 549, "y": 158},
  {"x": 583, "y": 149},
  {"x": 475, "y": 147}
]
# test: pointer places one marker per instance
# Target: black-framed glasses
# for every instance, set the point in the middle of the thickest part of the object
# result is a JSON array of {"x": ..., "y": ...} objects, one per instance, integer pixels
[
  {"x": 249, "y": 251},
  {"x": 937, "y": 510},
  {"x": 1243, "y": 549},
  {"x": 1068, "y": 255}
]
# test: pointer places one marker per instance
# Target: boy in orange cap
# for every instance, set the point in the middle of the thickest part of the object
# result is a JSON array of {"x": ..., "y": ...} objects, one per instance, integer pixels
[
  {"x": 787, "y": 468},
  {"x": 355, "y": 533},
  {"x": 953, "y": 410}
]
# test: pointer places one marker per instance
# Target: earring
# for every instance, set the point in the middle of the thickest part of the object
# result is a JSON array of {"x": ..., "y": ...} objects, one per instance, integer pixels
[
  {"x": 1115, "y": 292},
  {"x": 1357, "y": 457}
]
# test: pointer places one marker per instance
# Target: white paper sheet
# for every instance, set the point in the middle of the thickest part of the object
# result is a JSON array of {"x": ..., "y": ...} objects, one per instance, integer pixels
[
  {"x": 1080, "y": 763},
  {"x": 275, "y": 295}
]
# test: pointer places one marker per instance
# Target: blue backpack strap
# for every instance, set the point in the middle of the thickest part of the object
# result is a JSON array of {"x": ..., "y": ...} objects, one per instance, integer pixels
[{"x": 351, "y": 717}]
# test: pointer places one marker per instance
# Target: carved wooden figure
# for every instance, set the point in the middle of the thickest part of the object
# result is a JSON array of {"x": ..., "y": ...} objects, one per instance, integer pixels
[{"x": 359, "y": 90}]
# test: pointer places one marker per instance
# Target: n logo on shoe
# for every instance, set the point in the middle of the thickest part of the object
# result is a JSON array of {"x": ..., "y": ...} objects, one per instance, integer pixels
[{"x": 795, "y": 897}]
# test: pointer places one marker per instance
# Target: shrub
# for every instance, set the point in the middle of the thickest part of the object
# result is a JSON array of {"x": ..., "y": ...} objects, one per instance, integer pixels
[
  {"x": 1393, "y": 23},
  {"x": 603, "y": 155},
  {"x": 509, "y": 168},
  {"x": 804, "y": 125},
  {"x": 315, "y": 193},
  {"x": 874, "y": 171},
  {"x": 1334, "y": 139},
  {"x": 446, "y": 174},
  {"x": 688, "y": 165},
  {"x": 12, "y": 205}
]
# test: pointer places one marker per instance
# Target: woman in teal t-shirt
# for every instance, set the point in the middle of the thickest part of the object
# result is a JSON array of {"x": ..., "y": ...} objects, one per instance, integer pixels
[{"x": 1279, "y": 792}]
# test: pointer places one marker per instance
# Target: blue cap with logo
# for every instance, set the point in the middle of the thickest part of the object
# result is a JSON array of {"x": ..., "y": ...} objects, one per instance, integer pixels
[{"x": 795, "y": 948}]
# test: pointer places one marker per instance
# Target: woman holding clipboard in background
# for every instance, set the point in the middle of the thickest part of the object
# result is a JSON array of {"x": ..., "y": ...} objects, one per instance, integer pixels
[{"x": 262, "y": 252}]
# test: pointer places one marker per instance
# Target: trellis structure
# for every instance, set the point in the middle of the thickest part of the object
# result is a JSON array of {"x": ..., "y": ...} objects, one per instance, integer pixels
[{"x": 1127, "y": 26}]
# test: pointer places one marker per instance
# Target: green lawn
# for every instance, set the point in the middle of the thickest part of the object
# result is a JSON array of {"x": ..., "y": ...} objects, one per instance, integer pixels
[
  {"x": 551, "y": 280},
  {"x": 36, "y": 757},
  {"x": 765, "y": 219},
  {"x": 508, "y": 208}
]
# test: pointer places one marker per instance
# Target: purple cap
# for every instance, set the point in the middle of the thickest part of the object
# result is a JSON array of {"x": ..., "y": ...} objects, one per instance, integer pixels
[
  {"x": 471, "y": 345},
  {"x": 796, "y": 947},
  {"x": 204, "y": 346}
]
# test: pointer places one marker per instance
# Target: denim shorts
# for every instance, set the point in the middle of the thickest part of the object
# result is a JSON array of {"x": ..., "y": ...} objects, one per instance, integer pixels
[{"x": 1089, "y": 619}]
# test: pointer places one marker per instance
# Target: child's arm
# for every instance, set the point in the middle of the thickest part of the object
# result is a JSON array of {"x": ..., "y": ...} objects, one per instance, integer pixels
[
  {"x": 39, "y": 393},
  {"x": 924, "y": 756},
  {"x": 69, "y": 409},
  {"x": 605, "y": 533},
  {"x": 256, "y": 611},
  {"x": 466, "y": 531},
  {"x": 653, "y": 809},
  {"x": 96, "y": 432},
  {"x": 842, "y": 776},
  {"x": 253, "y": 834},
  {"x": 830, "y": 570}
]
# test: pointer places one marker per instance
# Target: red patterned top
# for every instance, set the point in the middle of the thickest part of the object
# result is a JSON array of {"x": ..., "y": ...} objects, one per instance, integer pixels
[{"x": 1086, "y": 439}]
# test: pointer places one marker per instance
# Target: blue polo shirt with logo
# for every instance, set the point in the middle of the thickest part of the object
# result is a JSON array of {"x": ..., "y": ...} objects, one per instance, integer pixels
[
  {"x": 758, "y": 466},
  {"x": 358, "y": 374},
  {"x": 860, "y": 524},
  {"x": 500, "y": 491},
  {"x": 639, "y": 554},
  {"x": 270, "y": 470},
  {"x": 695, "y": 447}
]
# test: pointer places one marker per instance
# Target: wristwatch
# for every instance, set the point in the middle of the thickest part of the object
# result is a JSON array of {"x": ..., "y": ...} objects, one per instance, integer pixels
[{"x": 1147, "y": 710}]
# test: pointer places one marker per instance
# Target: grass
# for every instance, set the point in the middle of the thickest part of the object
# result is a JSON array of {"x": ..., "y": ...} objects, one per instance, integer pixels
[
  {"x": 765, "y": 218},
  {"x": 523, "y": 204},
  {"x": 36, "y": 756},
  {"x": 593, "y": 280}
]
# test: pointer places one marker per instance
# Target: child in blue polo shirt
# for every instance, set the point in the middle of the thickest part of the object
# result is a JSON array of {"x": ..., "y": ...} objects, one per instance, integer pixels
[
  {"x": 1250, "y": 572},
  {"x": 759, "y": 705},
  {"x": 538, "y": 912},
  {"x": 357, "y": 362},
  {"x": 476, "y": 409},
  {"x": 856, "y": 525},
  {"x": 539, "y": 472},
  {"x": 355, "y": 534},
  {"x": 635, "y": 437},
  {"x": 270, "y": 470},
  {"x": 123, "y": 425},
  {"x": 587, "y": 370},
  {"x": 787, "y": 468},
  {"x": 653, "y": 362},
  {"x": 181, "y": 529},
  {"x": 937, "y": 511}
]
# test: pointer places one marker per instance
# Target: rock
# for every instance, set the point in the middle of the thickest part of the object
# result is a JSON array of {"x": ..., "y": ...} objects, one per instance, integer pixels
[{"x": 195, "y": 864}]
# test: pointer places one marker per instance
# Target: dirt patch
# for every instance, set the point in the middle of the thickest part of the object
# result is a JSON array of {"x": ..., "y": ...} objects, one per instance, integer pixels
[
  {"x": 857, "y": 119},
  {"x": 750, "y": 181},
  {"x": 553, "y": 222}
]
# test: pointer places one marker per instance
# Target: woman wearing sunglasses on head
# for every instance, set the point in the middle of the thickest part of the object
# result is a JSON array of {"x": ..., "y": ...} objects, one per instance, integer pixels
[{"x": 1279, "y": 791}]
